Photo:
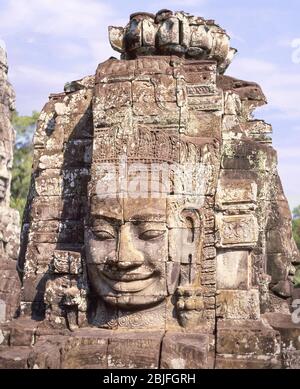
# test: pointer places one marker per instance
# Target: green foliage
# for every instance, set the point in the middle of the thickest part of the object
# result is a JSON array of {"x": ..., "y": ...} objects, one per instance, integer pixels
[
  {"x": 297, "y": 278},
  {"x": 296, "y": 212},
  {"x": 21, "y": 177},
  {"x": 23, "y": 124},
  {"x": 296, "y": 226},
  {"x": 21, "y": 172}
]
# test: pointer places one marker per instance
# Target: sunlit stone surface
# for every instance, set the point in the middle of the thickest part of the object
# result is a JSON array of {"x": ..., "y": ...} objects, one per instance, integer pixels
[
  {"x": 156, "y": 233},
  {"x": 9, "y": 218}
]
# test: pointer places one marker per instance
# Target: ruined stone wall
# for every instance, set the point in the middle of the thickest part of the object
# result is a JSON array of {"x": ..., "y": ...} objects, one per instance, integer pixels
[
  {"x": 9, "y": 218},
  {"x": 53, "y": 222}
]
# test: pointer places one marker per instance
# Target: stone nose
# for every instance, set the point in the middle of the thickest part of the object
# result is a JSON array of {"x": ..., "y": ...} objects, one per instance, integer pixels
[
  {"x": 4, "y": 173},
  {"x": 128, "y": 255}
]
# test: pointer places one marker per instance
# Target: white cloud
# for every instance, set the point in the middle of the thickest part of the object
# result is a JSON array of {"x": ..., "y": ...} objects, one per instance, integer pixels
[
  {"x": 289, "y": 174},
  {"x": 285, "y": 42},
  {"x": 2, "y": 44},
  {"x": 185, "y": 3},
  {"x": 55, "y": 17},
  {"x": 235, "y": 36},
  {"x": 68, "y": 49},
  {"x": 60, "y": 20},
  {"x": 35, "y": 85},
  {"x": 41, "y": 76},
  {"x": 177, "y": 5},
  {"x": 251, "y": 66},
  {"x": 295, "y": 128},
  {"x": 46, "y": 35},
  {"x": 101, "y": 50},
  {"x": 282, "y": 89},
  {"x": 281, "y": 86},
  {"x": 289, "y": 152}
]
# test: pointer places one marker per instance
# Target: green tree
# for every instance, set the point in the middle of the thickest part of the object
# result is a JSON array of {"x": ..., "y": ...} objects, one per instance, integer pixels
[
  {"x": 21, "y": 172},
  {"x": 296, "y": 225},
  {"x": 296, "y": 212},
  {"x": 297, "y": 277}
]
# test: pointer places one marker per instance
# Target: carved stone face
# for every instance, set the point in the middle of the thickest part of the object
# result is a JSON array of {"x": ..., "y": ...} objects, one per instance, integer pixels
[
  {"x": 127, "y": 251},
  {"x": 140, "y": 250}
]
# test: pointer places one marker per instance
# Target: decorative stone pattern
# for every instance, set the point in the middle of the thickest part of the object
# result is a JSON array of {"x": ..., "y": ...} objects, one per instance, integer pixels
[
  {"x": 156, "y": 222},
  {"x": 9, "y": 218}
]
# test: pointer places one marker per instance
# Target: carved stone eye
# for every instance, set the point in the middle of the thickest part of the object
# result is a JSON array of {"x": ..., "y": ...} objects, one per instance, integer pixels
[
  {"x": 103, "y": 235},
  {"x": 151, "y": 234}
]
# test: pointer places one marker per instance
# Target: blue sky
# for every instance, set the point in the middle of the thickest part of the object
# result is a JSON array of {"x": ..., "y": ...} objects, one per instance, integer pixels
[{"x": 50, "y": 42}]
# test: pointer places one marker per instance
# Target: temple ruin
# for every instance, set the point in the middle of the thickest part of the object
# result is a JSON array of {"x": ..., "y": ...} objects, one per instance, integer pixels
[
  {"x": 156, "y": 232},
  {"x": 9, "y": 218}
]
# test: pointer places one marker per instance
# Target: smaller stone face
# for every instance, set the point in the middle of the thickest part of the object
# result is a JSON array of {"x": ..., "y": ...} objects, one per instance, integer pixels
[
  {"x": 7, "y": 135},
  {"x": 6, "y": 157},
  {"x": 9, "y": 218}
]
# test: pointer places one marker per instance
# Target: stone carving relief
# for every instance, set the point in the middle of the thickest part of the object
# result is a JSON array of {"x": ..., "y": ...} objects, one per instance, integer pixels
[
  {"x": 155, "y": 219},
  {"x": 9, "y": 218}
]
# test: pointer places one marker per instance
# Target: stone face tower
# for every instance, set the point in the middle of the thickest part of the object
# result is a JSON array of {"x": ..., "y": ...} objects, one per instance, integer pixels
[
  {"x": 9, "y": 218},
  {"x": 156, "y": 219}
]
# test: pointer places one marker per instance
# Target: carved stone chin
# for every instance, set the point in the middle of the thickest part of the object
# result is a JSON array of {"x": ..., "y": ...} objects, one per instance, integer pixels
[{"x": 156, "y": 232}]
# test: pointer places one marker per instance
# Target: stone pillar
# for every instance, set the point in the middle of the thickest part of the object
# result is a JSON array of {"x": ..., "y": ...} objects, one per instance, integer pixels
[
  {"x": 255, "y": 248},
  {"x": 9, "y": 218}
]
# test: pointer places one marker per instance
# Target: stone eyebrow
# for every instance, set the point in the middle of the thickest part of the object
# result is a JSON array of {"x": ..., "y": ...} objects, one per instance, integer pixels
[
  {"x": 108, "y": 219},
  {"x": 146, "y": 217}
]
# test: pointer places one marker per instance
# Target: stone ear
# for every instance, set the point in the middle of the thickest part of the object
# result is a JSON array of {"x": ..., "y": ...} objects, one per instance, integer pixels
[{"x": 192, "y": 221}]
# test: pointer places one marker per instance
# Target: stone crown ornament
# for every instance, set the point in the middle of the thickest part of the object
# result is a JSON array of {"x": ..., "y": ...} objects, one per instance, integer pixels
[
  {"x": 177, "y": 33},
  {"x": 148, "y": 146}
]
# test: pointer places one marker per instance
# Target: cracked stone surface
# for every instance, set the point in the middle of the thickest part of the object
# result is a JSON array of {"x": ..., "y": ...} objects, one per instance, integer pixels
[
  {"x": 9, "y": 218},
  {"x": 194, "y": 272}
]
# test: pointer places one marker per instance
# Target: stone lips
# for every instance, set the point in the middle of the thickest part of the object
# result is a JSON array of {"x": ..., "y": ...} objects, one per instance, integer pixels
[{"x": 225, "y": 258}]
